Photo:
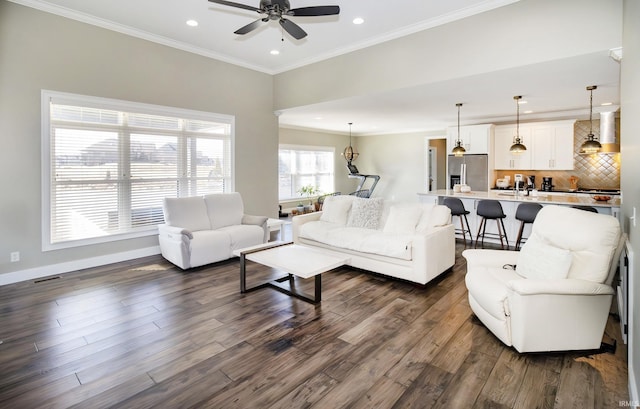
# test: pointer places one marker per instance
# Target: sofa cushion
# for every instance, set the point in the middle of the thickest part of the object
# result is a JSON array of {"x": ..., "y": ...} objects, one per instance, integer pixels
[
  {"x": 336, "y": 209},
  {"x": 186, "y": 212},
  {"x": 538, "y": 260},
  {"x": 402, "y": 219},
  {"x": 358, "y": 239},
  {"x": 224, "y": 209},
  {"x": 433, "y": 216},
  {"x": 243, "y": 235},
  {"x": 365, "y": 213}
]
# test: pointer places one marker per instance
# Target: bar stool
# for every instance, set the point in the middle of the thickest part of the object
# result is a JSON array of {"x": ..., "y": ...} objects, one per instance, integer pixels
[
  {"x": 457, "y": 209},
  {"x": 526, "y": 213},
  {"x": 492, "y": 210},
  {"x": 586, "y": 208}
]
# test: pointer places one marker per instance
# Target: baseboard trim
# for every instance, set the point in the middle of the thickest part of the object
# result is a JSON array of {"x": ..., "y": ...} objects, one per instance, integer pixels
[{"x": 67, "y": 267}]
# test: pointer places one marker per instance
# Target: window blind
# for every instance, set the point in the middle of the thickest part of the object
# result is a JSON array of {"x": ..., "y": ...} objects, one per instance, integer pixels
[
  {"x": 300, "y": 166},
  {"x": 109, "y": 164}
]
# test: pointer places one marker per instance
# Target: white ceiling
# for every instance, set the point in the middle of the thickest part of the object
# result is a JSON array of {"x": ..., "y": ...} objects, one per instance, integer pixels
[{"x": 553, "y": 90}]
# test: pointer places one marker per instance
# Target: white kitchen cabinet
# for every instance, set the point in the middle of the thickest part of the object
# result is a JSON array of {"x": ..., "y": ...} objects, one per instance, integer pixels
[
  {"x": 503, "y": 158},
  {"x": 552, "y": 144},
  {"x": 549, "y": 146},
  {"x": 475, "y": 138}
]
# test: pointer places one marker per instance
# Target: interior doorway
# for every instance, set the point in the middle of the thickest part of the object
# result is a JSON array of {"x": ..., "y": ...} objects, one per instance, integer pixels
[{"x": 436, "y": 164}]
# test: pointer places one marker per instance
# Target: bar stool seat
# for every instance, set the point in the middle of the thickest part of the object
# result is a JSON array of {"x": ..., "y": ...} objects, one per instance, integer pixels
[
  {"x": 586, "y": 208},
  {"x": 526, "y": 213},
  {"x": 457, "y": 209},
  {"x": 491, "y": 210}
]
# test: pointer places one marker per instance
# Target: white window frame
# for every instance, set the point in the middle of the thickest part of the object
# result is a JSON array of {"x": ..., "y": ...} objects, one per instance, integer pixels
[
  {"x": 48, "y": 97},
  {"x": 330, "y": 149}
]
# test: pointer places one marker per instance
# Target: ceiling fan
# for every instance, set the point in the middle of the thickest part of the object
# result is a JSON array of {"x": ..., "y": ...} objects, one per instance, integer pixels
[{"x": 275, "y": 10}]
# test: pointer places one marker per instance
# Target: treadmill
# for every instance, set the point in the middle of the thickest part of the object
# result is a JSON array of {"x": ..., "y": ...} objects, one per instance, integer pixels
[{"x": 360, "y": 191}]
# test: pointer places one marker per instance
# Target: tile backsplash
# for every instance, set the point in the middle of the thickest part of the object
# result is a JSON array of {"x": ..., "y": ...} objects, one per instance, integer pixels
[{"x": 600, "y": 171}]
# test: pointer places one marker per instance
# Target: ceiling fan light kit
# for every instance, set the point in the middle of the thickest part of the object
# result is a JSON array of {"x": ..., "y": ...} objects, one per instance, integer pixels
[{"x": 276, "y": 10}]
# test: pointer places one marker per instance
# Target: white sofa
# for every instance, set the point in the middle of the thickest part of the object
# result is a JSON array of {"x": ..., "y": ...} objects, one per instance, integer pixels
[
  {"x": 412, "y": 241},
  {"x": 204, "y": 229},
  {"x": 559, "y": 294}
]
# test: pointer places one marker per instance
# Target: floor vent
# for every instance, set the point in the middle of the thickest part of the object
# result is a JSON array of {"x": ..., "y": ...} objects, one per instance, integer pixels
[{"x": 46, "y": 279}]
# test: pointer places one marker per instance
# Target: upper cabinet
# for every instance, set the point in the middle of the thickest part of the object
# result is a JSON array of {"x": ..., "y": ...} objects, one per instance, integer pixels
[
  {"x": 503, "y": 158},
  {"x": 553, "y": 145},
  {"x": 475, "y": 138},
  {"x": 549, "y": 146}
]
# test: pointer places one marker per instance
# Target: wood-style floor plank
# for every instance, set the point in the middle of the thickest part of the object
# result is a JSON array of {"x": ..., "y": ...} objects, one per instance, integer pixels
[{"x": 145, "y": 334}]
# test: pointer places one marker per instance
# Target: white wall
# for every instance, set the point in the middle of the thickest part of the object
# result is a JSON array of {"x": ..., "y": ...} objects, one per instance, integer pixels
[
  {"x": 43, "y": 51},
  {"x": 520, "y": 34},
  {"x": 400, "y": 160},
  {"x": 630, "y": 152}
]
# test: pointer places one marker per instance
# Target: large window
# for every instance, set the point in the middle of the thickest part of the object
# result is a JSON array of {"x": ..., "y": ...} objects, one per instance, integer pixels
[
  {"x": 300, "y": 166},
  {"x": 108, "y": 164}
]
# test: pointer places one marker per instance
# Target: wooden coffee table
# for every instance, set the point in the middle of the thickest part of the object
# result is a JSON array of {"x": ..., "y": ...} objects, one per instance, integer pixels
[{"x": 293, "y": 259}]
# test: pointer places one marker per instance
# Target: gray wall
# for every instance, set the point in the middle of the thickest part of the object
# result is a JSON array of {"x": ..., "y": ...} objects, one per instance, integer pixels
[
  {"x": 43, "y": 51},
  {"x": 343, "y": 183},
  {"x": 630, "y": 152}
]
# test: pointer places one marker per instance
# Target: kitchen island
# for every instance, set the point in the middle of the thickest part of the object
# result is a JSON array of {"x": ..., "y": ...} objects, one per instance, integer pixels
[{"x": 510, "y": 201}]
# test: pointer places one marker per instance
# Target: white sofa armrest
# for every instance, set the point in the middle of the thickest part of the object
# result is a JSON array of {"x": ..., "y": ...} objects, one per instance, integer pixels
[
  {"x": 434, "y": 252},
  {"x": 489, "y": 258},
  {"x": 559, "y": 287},
  {"x": 298, "y": 221},
  {"x": 257, "y": 221},
  {"x": 165, "y": 229}
]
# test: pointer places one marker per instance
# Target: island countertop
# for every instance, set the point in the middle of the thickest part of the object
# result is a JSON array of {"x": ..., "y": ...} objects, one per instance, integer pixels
[{"x": 542, "y": 197}]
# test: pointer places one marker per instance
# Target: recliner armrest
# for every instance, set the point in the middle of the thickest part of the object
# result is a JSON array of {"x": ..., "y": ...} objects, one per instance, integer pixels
[
  {"x": 257, "y": 220},
  {"x": 490, "y": 258},
  {"x": 173, "y": 230},
  {"x": 566, "y": 286}
]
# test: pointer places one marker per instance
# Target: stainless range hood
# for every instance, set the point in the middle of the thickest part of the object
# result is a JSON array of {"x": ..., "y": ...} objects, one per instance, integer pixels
[{"x": 608, "y": 140}]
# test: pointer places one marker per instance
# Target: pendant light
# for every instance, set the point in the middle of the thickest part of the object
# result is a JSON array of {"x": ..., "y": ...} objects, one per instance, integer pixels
[
  {"x": 591, "y": 145},
  {"x": 350, "y": 153},
  {"x": 517, "y": 147},
  {"x": 458, "y": 150}
]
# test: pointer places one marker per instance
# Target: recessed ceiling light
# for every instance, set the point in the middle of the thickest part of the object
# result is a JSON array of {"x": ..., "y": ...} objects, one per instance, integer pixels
[
  {"x": 192, "y": 23},
  {"x": 358, "y": 20},
  {"x": 522, "y": 101},
  {"x": 274, "y": 52},
  {"x": 604, "y": 104},
  {"x": 318, "y": 118},
  {"x": 528, "y": 112}
]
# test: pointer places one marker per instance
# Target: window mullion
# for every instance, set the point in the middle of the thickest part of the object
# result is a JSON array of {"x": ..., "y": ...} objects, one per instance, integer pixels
[{"x": 124, "y": 183}]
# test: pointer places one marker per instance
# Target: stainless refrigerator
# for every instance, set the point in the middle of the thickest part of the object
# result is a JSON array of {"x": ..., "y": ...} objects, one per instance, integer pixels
[{"x": 477, "y": 171}]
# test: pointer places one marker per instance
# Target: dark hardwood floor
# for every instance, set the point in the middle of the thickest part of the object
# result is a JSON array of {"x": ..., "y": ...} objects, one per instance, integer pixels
[{"x": 145, "y": 334}]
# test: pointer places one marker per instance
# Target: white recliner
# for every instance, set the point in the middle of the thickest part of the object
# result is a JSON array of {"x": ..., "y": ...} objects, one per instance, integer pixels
[
  {"x": 204, "y": 229},
  {"x": 558, "y": 294}
]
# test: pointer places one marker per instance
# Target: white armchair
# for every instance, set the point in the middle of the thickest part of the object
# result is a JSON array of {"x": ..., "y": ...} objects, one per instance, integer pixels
[
  {"x": 204, "y": 229},
  {"x": 558, "y": 293}
]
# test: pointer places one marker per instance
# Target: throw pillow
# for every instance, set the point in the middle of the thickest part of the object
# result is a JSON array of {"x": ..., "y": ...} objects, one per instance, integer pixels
[
  {"x": 538, "y": 260},
  {"x": 402, "y": 219},
  {"x": 366, "y": 213},
  {"x": 336, "y": 209}
]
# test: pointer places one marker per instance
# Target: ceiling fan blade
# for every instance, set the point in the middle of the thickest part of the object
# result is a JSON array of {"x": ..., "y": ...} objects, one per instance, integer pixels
[
  {"x": 293, "y": 29},
  {"x": 314, "y": 11},
  {"x": 238, "y": 5},
  {"x": 249, "y": 27}
]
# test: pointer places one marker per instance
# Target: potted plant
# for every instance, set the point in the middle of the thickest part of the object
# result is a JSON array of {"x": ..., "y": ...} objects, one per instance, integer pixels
[{"x": 308, "y": 191}]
